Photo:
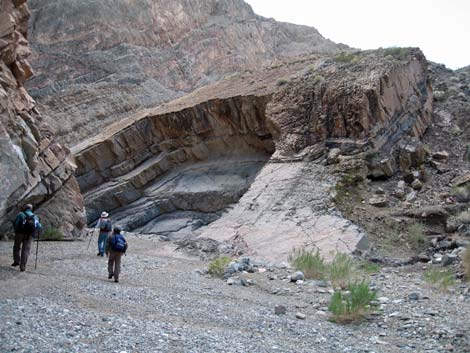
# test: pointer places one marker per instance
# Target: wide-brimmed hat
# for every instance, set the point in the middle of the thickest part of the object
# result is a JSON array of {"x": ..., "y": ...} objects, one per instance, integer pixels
[
  {"x": 28, "y": 206},
  {"x": 104, "y": 214}
]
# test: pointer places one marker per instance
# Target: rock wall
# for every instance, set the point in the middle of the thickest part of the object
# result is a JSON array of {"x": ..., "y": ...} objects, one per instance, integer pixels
[
  {"x": 97, "y": 61},
  {"x": 34, "y": 167},
  {"x": 296, "y": 112}
]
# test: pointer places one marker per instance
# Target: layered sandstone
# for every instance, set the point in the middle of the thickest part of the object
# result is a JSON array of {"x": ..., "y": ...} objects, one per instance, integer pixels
[
  {"x": 97, "y": 61},
  {"x": 35, "y": 168},
  {"x": 178, "y": 166}
]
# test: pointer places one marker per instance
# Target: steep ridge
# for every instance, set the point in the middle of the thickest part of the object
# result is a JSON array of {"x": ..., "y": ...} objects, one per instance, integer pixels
[
  {"x": 97, "y": 61},
  {"x": 34, "y": 166},
  {"x": 296, "y": 112}
]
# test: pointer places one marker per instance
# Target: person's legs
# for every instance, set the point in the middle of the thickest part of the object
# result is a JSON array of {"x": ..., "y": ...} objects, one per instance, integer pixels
[
  {"x": 17, "y": 249},
  {"x": 25, "y": 248},
  {"x": 101, "y": 240},
  {"x": 111, "y": 260},
  {"x": 117, "y": 266}
]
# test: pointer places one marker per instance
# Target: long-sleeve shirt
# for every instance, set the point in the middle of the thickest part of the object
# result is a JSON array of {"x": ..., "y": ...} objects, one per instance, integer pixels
[{"x": 101, "y": 222}]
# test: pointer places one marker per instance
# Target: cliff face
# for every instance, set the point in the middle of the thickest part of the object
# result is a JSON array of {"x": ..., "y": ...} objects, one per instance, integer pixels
[
  {"x": 256, "y": 136},
  {"x": 96, "y": 61},
  {"x": 34, "y": 167}
]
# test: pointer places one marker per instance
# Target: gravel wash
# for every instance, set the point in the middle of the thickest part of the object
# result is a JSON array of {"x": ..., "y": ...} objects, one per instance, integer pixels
[{"x": 164, "y": 304}]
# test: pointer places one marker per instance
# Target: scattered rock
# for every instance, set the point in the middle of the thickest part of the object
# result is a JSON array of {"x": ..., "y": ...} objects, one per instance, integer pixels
[
  {"x": 378, "y": 201},
  {"x": 280, "y": 310},
  {"x": 417, "y": 184},
  {"x": 300, "y": 316},
  {"x": 441, "y": 156},
  {"x": 297, "y": 276},
  {"x": 449, "y": 259}
]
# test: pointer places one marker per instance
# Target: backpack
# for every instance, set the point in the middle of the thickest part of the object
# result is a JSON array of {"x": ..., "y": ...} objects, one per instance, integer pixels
[
  {"x": 27, "y": 225},
  {"x": 105, "y": 225},
  {"x": 118, "y": 243}
]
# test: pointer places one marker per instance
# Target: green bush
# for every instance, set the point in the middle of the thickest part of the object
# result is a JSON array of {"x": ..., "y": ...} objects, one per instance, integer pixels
[
  {"x": 309, "y": 262},
  {"x": 440, "y": 278},
  {"x": 342, "y": 271},
  {"x": 52, "y": 234},
  {"x": 416, "y": 237},
  {"x": 217, "y": 267},
  {"x": 368, "y": 267},
  {"x": 352, "y": 305},
  {"x": 346, "y": 58},
  {"x": 281, "y": 82},
  {"x": 396, "y": 52}
]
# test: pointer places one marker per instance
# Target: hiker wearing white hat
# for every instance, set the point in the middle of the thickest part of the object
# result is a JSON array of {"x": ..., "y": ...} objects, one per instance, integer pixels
[{"x": 105, "y": 226}]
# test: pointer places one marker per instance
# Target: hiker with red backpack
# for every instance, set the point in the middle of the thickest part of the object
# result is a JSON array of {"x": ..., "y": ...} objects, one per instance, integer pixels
[
  {"x": 116, "y": 245},
  {"x": 105, "y": 226},
  {"x": 26, "y": 227}
]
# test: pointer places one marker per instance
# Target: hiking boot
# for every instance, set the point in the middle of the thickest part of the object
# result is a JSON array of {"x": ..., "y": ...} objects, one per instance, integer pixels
[
  {"x": 116, "y": 280},
  {"x": 110, "y": 276},
  {"x": 14, "y": 264},
  {"x": 22, "y": 268},
  {"x": 99, "y": 254}
]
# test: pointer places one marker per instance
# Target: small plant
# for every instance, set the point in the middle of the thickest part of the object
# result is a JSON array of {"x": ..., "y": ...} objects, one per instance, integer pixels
[
  {"x": 352, "y": 305},
  {"x": 52, "y": 234},
  {"x": 217, "y": 267},
  {"x": 466, "y": 264},
  {"x": 309, "y": 262},
  {"x": 396, "y": 52},
  {"x": 281, "y": 82},
  {"x": 368, "y": 267},
  {"x": 346, "y": 58},
  {"x": 416, "y": 237},
  {"x": 342, "y": 271},
  {"x": 440, "y": 278},
  {"x": 463, "y": 218}
]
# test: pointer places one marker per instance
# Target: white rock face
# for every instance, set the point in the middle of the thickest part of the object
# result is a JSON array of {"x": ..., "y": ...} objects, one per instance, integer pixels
[{"x": 287, "y": 207}]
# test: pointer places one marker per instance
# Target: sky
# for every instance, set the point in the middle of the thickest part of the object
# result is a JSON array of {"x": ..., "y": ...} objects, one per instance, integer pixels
[{"x": 441, "y": 28}]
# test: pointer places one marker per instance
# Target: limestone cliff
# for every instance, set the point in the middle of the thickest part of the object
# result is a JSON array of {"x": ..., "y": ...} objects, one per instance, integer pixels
[
  {"x": 97, "y": 61},
  {"x": 35, "y": 168}
]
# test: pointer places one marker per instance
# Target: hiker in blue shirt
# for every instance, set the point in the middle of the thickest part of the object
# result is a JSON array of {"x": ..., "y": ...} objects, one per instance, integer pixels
[
  {"x": 105, "y": 226},
  {"x": 26, "y": 227}
]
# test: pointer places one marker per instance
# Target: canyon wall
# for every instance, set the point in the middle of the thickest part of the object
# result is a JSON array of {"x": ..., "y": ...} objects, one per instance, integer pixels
[
  {"x": 277, "y": 123},
  {"x": 98, "y": 61},
  {"x": 35, "y": 168}
]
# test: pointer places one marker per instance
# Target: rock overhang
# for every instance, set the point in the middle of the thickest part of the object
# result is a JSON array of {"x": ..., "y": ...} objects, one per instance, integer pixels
[{"x": 297, "y": 110}]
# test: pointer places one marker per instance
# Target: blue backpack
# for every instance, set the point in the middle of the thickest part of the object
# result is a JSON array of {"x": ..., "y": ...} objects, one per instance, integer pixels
[{"x": 119, "y": 243}]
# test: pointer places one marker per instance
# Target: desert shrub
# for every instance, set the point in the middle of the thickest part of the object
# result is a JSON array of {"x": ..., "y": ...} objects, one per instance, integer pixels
[
  {"x": 281, "y": 82},
  {"x": 52, "y": 234},
  {"x": 352, "y": 305},
  {"x": 342, "y": 271},
  {"x": 217, "y": 267},
  {"x": 466, "y": 264},
  {"x": 396, "y": 52},
  {"x": 309, "y": 262},
  {"x": 368, "y": 267},
  {"x": 463, "y": 218},
  {"x": 439, "y": 278},
  {"x": 461, "y": 194},
  {"x": 416, "y": 237},
  {"x": 346, "y": 58}
]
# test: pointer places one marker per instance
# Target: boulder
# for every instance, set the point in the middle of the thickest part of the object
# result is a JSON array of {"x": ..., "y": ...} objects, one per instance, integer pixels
[{"x": 378, "y": 201}]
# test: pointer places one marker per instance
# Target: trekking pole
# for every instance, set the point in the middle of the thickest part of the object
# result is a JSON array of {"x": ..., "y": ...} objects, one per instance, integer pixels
[
  {"x": 37, "y": 250},
  {"x": 89, "y": 241}
]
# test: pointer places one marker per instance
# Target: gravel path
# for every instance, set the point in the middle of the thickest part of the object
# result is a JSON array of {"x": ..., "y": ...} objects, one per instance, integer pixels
[{"x": 163, "y": 305}]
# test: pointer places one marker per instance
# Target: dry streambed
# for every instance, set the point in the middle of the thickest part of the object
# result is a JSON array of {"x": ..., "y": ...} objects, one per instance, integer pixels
[{"x": 164, "y": 304}]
